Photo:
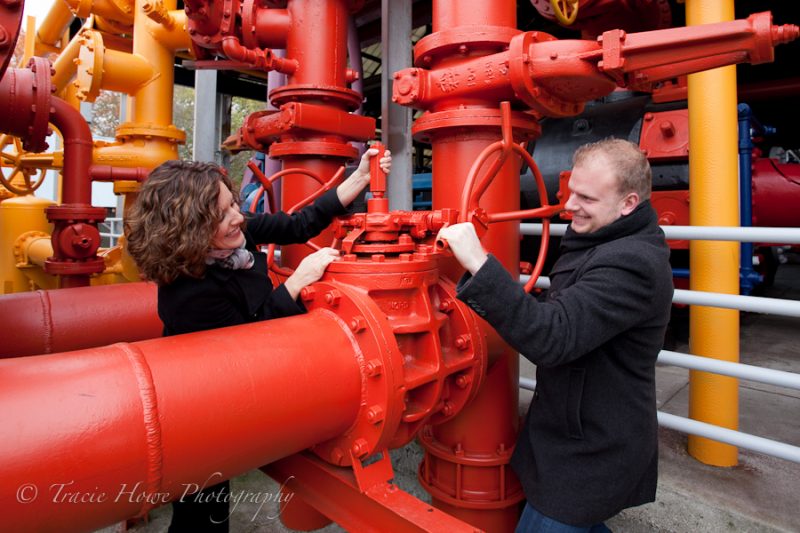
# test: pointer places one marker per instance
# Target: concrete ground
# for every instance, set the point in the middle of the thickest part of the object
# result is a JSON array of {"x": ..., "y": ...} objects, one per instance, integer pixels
[{"x": 759, "y": 495}]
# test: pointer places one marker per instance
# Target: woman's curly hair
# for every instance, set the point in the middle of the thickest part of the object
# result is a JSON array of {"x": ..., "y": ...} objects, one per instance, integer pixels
[{"x": 170, "y": 226}]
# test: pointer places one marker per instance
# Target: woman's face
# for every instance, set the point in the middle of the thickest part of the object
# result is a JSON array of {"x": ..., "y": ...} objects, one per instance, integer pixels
[{"x": 229, "y": 232}]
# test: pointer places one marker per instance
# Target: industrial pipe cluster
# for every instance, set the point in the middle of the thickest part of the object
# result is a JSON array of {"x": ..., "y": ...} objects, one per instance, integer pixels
[{"x": 386, "y": 352}]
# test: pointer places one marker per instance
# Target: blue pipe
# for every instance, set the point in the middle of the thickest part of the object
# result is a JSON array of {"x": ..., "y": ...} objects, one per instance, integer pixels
[{"x": 748, "y": 277}]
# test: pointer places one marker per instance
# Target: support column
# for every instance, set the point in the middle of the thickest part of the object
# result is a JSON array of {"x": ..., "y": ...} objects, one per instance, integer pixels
[
  {"x": 395, "y": 119},
  {"x": 714, "y": 266},
  {"x": 208, "y": 126}
]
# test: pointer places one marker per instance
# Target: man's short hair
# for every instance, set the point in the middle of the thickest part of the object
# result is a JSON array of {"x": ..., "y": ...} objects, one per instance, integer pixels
[{"x": 628, "y": 162}]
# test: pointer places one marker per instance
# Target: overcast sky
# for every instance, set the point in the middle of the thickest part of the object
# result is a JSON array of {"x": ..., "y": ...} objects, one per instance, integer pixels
[{"x": 38, "y": 9}]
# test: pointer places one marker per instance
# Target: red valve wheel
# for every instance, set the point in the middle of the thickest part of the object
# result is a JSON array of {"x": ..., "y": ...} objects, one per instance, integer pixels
[{"x": 266, "y": 185}]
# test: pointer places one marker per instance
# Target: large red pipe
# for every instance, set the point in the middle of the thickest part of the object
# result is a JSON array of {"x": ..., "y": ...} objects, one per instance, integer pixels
[
  {"x": 77, "y": 184},
  {"x": 56, "y": 321},
  {"x": 467, "y": 470},
  {"x": 100, "y": 435}
]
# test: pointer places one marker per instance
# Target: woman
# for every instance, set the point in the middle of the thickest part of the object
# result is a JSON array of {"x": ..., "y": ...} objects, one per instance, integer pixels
[{"x": 186, "y": 233}]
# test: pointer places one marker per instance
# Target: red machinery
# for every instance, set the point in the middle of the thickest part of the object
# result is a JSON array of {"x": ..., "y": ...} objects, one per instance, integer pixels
[{"x": 402, "y": 357}]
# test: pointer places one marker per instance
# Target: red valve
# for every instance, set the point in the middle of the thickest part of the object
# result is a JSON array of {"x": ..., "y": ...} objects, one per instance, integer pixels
[{"x": 377, "y": 177}]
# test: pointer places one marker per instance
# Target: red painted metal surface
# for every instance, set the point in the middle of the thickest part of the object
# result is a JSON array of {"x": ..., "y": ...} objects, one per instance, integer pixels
[
  {"x": 555, "y": 77},
  {"x": 130, "y": 426},
  {"x": 76, "y": 238},
  {"x": 665, "y": 135},
  {"x": 10, "y": 21},
  {"x": 366, "y": 502},
  {"x": 43, "y": 322},
  {"x": 469, "y": 475},
  {"x": 26, "y": 108},
  {"x": 314, "y": 125},
  {"x": 776, "y": 193},
  {"x": 25, "y": 103},
  {"x": 672, "y": 208}
]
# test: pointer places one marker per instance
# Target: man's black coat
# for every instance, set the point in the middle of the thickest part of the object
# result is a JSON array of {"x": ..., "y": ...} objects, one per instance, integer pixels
[{"x": 589, "y": 445}]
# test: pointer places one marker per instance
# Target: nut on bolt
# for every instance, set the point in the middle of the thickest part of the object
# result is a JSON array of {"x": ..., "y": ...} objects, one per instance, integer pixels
[
  {"x": 360, "y": 448},
  {"x": 375, "y": 414},
  {"x": 463, "y": 381},
  {"x": 332, "y": 297},
  {"x": 374, "y": 367},
  {"x": 307, "y": 294},
  {"x": 337, "y": 455},
  {"x": 358, "y": 324},
  {"x": 462, "y": 342}
]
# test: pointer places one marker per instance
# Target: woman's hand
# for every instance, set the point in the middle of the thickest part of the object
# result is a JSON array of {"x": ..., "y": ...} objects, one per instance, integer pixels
[
  {"x": 352, "y": 186},
  {"x": 310, "y": 270}
]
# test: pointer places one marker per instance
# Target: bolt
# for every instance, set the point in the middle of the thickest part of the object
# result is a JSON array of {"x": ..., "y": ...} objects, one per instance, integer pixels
[
  {"x": 462, "y": 342},
  {"x": 358, "y": 324},
  {"x": 375, "y": 414},
  {"x": 332, "y": 297},
  {"x": 463, "y": 381},
  {"x": 446, "y": 305},
  {"x": 667, "y": 128},
  {"x": 448, "y": 409},
  {"x": 378, "y": 258},
  {"x": 360, "y": 448},
  {"x": 649, "y": 116},
  {"x": 336, "y": 456},
  {"x": 553, "y": 55},
  {"x": 463, "y": 49},
  {"x": 374, "y": 367},
  {"x": 307, "y": 294}
]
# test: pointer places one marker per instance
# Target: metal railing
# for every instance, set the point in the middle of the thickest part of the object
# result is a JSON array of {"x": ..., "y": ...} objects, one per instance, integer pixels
[{"x": 715, "y": 366}]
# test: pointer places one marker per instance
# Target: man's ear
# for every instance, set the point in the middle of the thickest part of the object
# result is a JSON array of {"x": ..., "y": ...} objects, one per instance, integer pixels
[{"x": 629, "y": 203}]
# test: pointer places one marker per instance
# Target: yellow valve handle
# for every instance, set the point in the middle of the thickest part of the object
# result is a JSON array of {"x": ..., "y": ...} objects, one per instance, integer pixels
[
  {"x": 13, "y": 160},
  {"x": 566, "y": 11}
]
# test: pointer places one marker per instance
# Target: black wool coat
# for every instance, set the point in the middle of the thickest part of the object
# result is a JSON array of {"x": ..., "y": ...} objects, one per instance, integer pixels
[
  {"x": 225, "y": 297},
  {"x": 589, "y": 444}
]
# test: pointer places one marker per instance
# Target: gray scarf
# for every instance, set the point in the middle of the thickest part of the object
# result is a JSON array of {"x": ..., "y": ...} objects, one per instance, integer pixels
[{"x": 238, "y": 258}]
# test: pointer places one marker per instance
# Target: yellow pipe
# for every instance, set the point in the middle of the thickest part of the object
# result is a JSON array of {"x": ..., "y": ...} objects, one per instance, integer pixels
[
  {"x": 714, "y": 266},
  {"x": 107, "y": 9},
  {"x": 19, "y": 216},
  {"x": 176, "y": 36},
  {"x": 153, "y": 102},
  {"x": 53, "y": 26},
  {"x": 37, "y": 248},
  {"x": 64, "y": 65}
]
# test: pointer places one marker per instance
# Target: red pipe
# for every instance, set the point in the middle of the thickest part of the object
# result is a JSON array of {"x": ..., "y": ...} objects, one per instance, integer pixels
[
  {"x": 104, "y": 434},
  {"x": 465, "y": 470},
  {"x": 77, "y": 185},
  {"x": 55, "y": 321}
]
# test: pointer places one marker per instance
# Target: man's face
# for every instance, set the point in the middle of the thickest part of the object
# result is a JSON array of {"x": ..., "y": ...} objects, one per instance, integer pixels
[{"x": 595, "y": 200}]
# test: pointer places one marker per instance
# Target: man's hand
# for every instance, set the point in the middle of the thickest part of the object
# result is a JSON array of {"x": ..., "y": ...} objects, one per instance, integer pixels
[
  {"x": 466, "y": 246},
  {"x": 310, "y": 270}
]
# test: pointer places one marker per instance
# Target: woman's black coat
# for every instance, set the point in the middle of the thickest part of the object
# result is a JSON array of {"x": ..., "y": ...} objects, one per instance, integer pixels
[
  {"x": 589, "y": 445},
  {"x": 225, "y": 297}
]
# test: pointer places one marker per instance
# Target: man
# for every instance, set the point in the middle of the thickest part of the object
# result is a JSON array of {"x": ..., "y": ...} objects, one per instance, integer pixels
[{"x": 589, "y": 445}]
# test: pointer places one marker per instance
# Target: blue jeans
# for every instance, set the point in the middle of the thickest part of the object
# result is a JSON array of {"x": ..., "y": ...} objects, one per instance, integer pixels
[{"x": 532, "y": 521}]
